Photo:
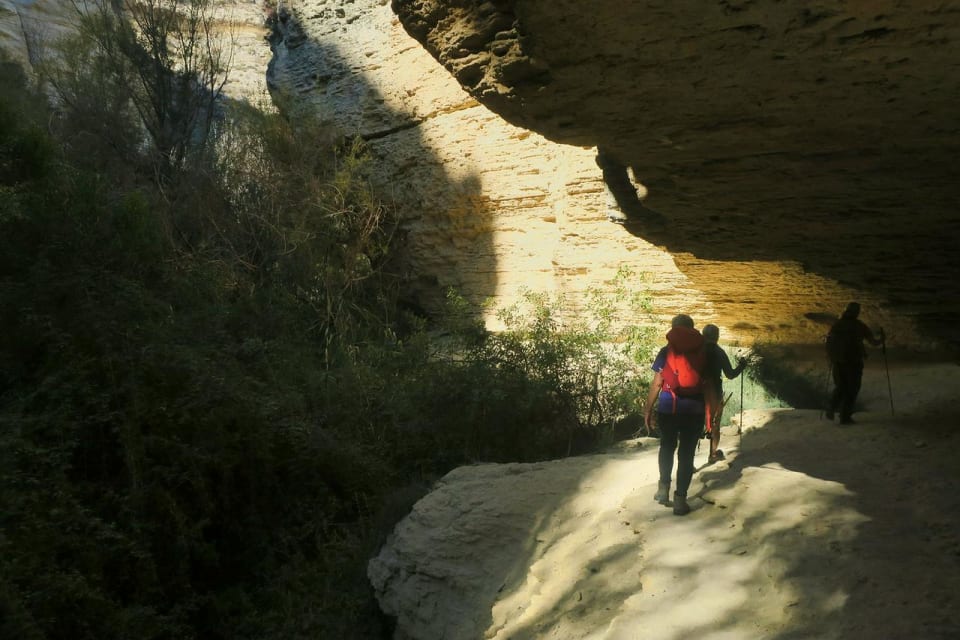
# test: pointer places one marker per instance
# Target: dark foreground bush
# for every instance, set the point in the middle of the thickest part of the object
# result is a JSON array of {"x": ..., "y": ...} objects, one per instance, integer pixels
[{"x": 211, "y": 406}]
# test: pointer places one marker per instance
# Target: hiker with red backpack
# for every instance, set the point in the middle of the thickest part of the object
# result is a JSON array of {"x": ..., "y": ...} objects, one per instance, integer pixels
[{"x": 680, "y": 396}]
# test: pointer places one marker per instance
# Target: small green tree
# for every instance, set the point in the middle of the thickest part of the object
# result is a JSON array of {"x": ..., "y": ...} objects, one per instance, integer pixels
[
  {"x": 302, "y": 213},
  {"x": 152, "y": 66},
  {"x": 169, "y": 467},
  {"x": 556, "y": 372},
  {"x": 592, "y": 356}
]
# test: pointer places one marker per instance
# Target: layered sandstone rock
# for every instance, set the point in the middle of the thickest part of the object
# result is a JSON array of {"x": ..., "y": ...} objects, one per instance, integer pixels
[
  {"x": 500, "y": 208},
  {"x": 493, "y": 208},
  {"x": 30, "y": 31},
  {"x": 821, "y": 136},
  {"x": 27, "y": 28}
]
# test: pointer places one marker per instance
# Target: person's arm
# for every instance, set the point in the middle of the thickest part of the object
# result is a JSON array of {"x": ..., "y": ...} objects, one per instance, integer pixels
[
  {"x": 868, "y": 335},
  {"x": 651, "y": 405},
  {"x": 741, "y": 365},
  {"x": 727, "y": 368}
]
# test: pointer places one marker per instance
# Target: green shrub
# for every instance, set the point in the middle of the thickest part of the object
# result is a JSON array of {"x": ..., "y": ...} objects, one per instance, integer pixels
[
  {"x": 211, "y": 406},
  {"x": 786, "y": 378},
  {"x": 555, "y": 381},
  {"x": 166, "y": 468},
  {"x": 139, "y": 82}
]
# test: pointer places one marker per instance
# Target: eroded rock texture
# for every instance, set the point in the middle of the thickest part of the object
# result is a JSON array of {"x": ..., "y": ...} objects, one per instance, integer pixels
[
  {"x": 823, "y": 134},
  {"x": 792, "y": 164},
  {"x": 30, "y": 32},
  {"x": 491, "y": 208}
]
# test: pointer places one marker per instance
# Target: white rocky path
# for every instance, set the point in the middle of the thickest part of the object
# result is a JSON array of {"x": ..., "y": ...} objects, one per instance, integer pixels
[{"x": 809, "y": 531}]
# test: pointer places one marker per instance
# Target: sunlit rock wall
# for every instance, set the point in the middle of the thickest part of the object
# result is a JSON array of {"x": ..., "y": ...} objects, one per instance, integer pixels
[
  {"x": 492, "y": 208},
  {"x": 817, "y": 136},
  {"x": 496, "y": 208},
  {"x": 30, "y": 30}
]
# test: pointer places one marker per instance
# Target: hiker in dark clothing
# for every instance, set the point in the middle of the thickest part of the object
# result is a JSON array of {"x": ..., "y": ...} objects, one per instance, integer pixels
[
  {"x": 679, "y": 397},
  {"x": 846, "y": 352},
  {"x": 717, "y": 363}
]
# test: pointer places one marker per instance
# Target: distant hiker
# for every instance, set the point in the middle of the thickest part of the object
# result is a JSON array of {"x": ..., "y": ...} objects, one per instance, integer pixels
[
  {"x": 677, "y": 394},
  {"x": 717, "y": 363},
  {"x": 846, "y": 351}
]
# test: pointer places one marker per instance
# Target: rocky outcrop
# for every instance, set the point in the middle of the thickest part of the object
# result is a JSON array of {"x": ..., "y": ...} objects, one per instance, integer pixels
[
  {"x": 498, "y": 208},
  {"x": 817, "y": 135},
  {"x": 493, "y": 542},
  {"x": 30, "y": 30},
  {"x": 27, "y": 28},
  {"x": 787, "y": 537},
  {"x": 493, "y": 207}
]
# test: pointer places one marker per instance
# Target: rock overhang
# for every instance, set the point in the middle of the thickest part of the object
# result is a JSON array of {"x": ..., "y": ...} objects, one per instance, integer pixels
[{"x": 822, "y": 135}]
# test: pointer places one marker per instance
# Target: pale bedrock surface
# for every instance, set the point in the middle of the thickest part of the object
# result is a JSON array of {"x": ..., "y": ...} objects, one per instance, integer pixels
[{"x": 793, "y": 536}]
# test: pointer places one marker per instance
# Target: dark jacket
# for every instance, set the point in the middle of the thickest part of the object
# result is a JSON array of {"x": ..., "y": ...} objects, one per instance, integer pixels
[{"x": 845, "y": 341}]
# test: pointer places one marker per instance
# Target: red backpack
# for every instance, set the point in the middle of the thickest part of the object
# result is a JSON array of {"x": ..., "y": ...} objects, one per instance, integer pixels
[{"x": 686, "y": 358}]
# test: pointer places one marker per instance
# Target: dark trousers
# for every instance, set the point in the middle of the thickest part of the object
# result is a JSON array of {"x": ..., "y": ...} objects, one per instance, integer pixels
[
  {"x": 847, "y": 377},
  {"x": 679, "y": 434}
]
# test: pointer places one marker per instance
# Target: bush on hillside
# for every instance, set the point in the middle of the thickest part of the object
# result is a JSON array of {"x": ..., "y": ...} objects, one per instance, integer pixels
[
  {"x": 208, "y": 389},
  {"x": 165, "y": 468}
]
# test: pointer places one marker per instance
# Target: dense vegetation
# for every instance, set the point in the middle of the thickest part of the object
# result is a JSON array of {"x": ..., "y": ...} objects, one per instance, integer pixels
[{"x": 212, "y": 404}]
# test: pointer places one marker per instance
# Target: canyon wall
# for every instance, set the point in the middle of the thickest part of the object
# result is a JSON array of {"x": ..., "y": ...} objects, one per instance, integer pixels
[
  {"x": 500, "y": 208},
  {"x": 493, "y": 208},
  {"x": 820, "y": 136}
]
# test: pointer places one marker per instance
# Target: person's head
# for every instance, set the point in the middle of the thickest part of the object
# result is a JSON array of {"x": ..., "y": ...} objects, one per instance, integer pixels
[
  {"x": 852, "y": 310},
  {"x": 711, "y": 333},
  {"x": 682, "y": 320}
]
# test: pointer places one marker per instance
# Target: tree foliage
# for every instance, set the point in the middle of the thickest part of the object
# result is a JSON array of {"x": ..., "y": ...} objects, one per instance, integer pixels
[
  {"x": 166, "y": 468},
  {"x": 141, "y": 75},
  {"x": 212, "y": 405}
]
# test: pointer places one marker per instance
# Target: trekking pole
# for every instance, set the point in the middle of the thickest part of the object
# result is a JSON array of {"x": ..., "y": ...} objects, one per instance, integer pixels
[
  {"x": 740, "y": 426},
  {"x": 826, "y": 388},
  {"x": 886, "y": 366},
  {"x": 719, "y": 410}
]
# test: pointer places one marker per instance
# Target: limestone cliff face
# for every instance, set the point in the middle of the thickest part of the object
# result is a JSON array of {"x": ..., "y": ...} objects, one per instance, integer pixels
[
  {"x": 26, "y": 27},
  {"x": 29, "y": 31},
  {"x": 495, "y": 207},
  {"x": 500, "y": 208},
  {"x": 818, "y": 135}
]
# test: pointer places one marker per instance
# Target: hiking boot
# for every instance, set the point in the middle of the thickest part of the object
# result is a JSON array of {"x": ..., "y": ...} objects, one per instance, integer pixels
[
  {"x": 663, "y": 493},
  {"x": 680, "y": 506},
  {"x": 716, "y": 455},
  {"x": 829, "y": 414}
]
